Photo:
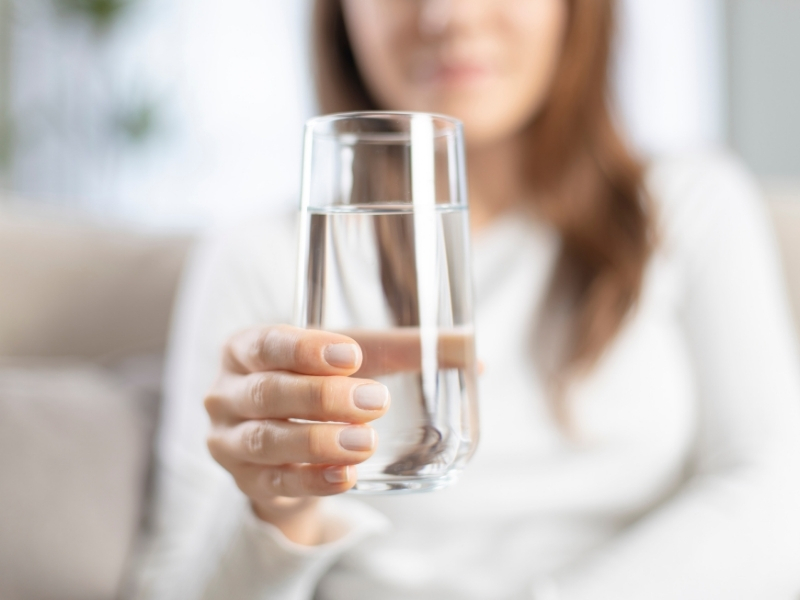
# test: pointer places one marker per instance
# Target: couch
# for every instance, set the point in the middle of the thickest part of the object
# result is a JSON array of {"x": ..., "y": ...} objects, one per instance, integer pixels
[{"x": 84, "y": 314}]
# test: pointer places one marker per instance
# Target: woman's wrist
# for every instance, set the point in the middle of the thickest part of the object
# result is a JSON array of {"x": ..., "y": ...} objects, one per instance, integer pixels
[{"x": 299, "y": 519}]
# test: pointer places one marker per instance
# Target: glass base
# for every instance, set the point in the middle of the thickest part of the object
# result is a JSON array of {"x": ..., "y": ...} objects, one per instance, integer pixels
[{"x": 401, "y": 485}]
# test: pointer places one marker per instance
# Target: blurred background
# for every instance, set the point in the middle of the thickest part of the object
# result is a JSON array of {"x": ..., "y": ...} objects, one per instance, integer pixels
[
  {"x": 128, "y": 126},
  {"x": 182, "y": 112}
]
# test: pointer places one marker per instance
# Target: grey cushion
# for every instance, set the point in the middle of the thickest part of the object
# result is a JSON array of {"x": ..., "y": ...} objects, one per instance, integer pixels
[
  {"x": 73, "y": 288},
  {"x": 74, "y": 447},
  {"x": 75, "y": 434}
]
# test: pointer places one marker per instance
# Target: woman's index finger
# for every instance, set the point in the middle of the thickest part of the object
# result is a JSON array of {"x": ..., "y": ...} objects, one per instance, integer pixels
[{"x": 286, "y": 348}]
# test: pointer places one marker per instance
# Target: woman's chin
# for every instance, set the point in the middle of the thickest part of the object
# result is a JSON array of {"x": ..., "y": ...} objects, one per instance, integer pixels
[
  {"x": 483, "y": 123},
  {"x": 482, "y": 132},
  {"x": 488, "y": 117}
]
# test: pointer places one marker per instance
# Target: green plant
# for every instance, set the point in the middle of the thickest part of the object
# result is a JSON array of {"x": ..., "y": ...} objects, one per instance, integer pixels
[
  {"x": 138, "y": 122},
  {"x": 101, "y": 13}
]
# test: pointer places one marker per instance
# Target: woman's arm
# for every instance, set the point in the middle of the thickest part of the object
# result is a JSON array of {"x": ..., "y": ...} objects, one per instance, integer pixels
[
  {"x": 733, "y": 531},
  {"x": 207, "y": 542}
]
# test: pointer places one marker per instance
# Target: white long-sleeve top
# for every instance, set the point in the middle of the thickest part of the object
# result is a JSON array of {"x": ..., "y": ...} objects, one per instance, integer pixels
[{"x": 683, "y": 483}]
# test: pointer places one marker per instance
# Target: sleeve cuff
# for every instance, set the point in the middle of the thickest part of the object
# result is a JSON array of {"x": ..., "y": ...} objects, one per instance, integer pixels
[
  {"x": 346, "y": 522},
  {"x": 261, "y": 562}
]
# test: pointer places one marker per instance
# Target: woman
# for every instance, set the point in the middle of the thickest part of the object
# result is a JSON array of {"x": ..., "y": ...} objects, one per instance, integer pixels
[{"x": 641, "y": 395}]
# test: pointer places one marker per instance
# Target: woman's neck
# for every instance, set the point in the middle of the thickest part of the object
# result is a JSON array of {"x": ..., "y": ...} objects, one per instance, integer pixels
[{"x": 495, "y": 180}]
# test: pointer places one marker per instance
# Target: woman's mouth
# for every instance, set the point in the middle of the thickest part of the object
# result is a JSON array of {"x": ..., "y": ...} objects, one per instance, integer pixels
[{"x": 455, "y": 74}]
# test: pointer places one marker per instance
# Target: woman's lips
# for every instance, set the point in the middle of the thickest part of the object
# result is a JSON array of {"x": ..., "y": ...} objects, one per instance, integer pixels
[{"x": 456, "y": 75}]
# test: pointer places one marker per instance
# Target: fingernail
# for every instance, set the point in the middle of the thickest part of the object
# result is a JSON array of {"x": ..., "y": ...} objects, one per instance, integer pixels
[
  {"x": 341, "y": 356},
  {"x": 336, "y": 474},
  {"x": 371, "y": 396},
  {"x": 357, "y": 438}
]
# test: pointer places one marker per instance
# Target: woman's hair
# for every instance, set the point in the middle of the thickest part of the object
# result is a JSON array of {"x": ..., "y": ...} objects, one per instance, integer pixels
[{"x": 585, "y": 182}]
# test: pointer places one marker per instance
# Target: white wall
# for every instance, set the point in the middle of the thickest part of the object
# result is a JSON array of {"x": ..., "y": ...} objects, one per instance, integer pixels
[
  {"x": 670, "y": 73},
  {"x": 764, "y": 85},
  {"x": 229, "y": 83},
  {"x": 231, "y": 87}
]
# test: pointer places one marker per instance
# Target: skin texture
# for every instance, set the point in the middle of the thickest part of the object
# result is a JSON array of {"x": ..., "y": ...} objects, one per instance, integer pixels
[{"x": 487, "y": 62}]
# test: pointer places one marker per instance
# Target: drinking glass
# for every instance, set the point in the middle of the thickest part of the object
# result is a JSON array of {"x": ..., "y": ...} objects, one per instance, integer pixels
[{"x": 385, "y": 259}]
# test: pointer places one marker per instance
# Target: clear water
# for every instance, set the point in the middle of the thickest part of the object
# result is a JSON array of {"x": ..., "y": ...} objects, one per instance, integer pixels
[{"x": 397, "y": 281}]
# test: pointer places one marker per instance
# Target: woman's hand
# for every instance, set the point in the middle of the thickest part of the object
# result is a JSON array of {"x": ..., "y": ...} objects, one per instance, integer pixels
[{"x": 274, "y": 380}]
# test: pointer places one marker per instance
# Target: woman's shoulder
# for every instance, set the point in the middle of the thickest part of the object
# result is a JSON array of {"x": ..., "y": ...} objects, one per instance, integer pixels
[
  {"x": 708, "y": 178},
  {"x": 699, "y": 194}
]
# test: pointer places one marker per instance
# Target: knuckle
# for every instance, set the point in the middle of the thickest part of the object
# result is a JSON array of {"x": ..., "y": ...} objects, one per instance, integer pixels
[
  {"x": 261, "y": 344},
  {"x": 256, "y": 439},
  {"x": 214, "y": 445},
  {"x": 214, "y": 397},
  {"x": 259, "y": 387},
  {"x": 211, "y": 403},
  {"x": 276, "y": 482}
]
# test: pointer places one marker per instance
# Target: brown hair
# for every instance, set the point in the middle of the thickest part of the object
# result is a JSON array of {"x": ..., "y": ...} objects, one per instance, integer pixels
[{"x": 587, "y": 184}]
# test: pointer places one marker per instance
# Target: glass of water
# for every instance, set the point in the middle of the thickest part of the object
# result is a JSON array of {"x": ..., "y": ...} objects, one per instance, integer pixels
[{"x": 385, "y": 259}]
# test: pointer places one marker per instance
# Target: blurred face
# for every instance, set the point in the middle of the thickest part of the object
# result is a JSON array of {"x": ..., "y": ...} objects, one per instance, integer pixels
[{"x": 486, "y": 62}]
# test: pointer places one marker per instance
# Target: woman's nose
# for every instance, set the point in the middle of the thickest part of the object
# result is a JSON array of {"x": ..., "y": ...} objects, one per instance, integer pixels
[
  {"x": 437, "y": 16},
  {"x": 434, "y": 16}
]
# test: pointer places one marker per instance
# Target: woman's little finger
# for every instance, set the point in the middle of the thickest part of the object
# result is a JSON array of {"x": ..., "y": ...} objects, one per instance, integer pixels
[{"x": 293, "y": 481}]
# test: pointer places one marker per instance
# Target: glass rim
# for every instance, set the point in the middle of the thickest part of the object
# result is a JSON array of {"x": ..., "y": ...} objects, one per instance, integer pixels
[
  {"x": 314, "y": 124},
  {"x": 384, "y": 208},
  {"x": 447, "y": 129}
]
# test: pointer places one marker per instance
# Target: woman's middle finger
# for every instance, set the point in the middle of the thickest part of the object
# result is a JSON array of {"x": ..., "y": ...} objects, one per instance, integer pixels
[{"x": 283, "y": 395}]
